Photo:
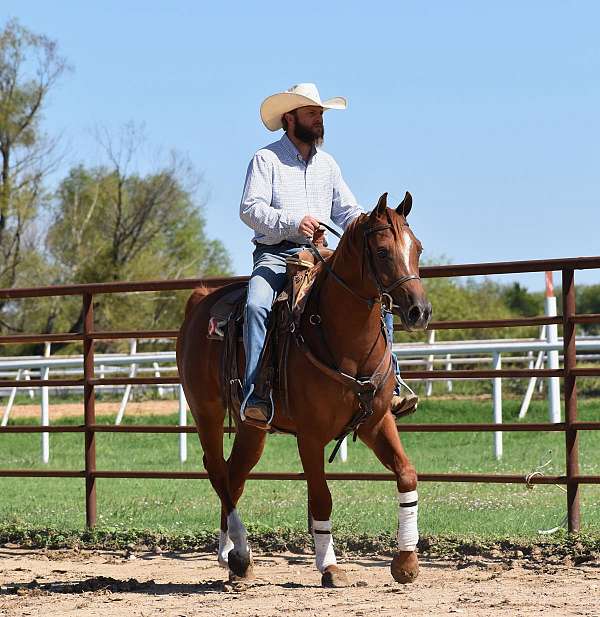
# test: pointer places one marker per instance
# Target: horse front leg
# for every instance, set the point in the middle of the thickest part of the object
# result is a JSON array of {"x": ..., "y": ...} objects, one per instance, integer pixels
[
  {"x": 383, "y": 439},
  {"x": 319, "y": 510}
]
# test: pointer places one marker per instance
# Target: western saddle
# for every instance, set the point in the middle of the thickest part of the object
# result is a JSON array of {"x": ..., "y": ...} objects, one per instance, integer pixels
[{"x": 226, "y": 323}]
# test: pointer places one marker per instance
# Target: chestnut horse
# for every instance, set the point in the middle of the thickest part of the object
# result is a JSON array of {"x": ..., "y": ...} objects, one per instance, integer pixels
[{"x": 377, "y": 261}]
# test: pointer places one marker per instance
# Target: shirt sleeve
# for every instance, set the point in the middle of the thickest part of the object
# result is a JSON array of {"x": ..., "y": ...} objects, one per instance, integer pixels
[
  {"x": 255, "y": 208},
  {"x": 344, "y": 208}
]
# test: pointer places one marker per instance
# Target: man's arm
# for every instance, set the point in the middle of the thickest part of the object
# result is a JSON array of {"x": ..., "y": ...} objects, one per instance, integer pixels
[
  {"x": 344, "y": 208},
  {"x": 255, "y": 208}
]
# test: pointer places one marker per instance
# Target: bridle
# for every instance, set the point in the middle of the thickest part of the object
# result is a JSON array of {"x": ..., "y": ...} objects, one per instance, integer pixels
[
  {"x": 384, "y": 298},
  {"x": 364, "y": 388}
]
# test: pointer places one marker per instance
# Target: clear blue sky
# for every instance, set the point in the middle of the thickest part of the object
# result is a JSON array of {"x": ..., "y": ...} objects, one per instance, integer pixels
[{"x": 488, "y": 112}]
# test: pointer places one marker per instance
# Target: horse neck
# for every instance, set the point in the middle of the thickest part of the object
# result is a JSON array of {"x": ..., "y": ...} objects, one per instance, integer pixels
[{"x": 352, "y": 323}]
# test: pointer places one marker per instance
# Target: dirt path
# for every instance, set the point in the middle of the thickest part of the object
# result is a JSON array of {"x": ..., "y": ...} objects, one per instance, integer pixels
[
  {"x": 62, "y": 410},
  {"x": 184, "y": 584}
]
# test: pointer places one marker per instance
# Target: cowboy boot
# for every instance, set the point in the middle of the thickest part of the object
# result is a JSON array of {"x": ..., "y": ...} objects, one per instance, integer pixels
[
  {"x": 258, "y": 413},
  {"x": 404, "y": 405}
]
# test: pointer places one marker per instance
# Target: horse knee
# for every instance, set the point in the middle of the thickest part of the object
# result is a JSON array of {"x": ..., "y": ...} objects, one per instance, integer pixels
[{"x": 406, "y": 479}]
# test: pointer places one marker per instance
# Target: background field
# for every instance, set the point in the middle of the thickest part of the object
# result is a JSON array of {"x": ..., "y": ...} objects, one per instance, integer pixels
[{"x": 476, "y": 510}]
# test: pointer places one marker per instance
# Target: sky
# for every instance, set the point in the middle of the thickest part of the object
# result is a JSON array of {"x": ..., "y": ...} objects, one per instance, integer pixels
[{"x": 487, "y": 112}]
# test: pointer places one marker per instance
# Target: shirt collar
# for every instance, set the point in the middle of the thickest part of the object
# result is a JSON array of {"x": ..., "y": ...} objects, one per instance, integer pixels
[{"x": 291, "y": 149}]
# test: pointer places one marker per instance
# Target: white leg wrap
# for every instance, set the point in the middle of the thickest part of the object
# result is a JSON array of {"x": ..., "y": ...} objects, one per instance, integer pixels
[
  {"x": 237, "y": 533},
  {"x": 408, "y": 534},
  {"x": 225, "y": 545},
  {"x": 324, "y": 553}
]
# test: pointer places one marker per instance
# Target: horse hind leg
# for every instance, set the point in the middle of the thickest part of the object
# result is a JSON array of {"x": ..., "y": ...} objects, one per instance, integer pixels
[
  {"x": 383, "y": 439},
  {"x": 233, "y": 536},
  {"x": 234, "y": 551}
]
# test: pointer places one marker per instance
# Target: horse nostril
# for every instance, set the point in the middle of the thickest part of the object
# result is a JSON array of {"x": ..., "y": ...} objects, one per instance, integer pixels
[{"x": 414, "y": 314}]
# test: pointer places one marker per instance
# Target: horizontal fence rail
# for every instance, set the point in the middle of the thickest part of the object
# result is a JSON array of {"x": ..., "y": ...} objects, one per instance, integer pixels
[{"x": 570, "y": 427}]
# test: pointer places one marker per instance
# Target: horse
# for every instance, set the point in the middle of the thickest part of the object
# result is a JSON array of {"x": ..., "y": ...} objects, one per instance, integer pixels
[{"x": 376, "y": 262}]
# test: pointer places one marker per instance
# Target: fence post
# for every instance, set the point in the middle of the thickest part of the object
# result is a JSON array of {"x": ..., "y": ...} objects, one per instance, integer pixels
[
  {"x": 344, "y": 450},
  {"x": 429, "y": 383},
  {"x": 11, "y": 400},
  {"x": 570, "y": 387},
  {"x": 497, "y": 400},
  {"x": 532, "y": 380},
  {"x": 89, "y": 410},
  {"x": 552, "y": 362},
  {"x": 449, "y": 368},
  {"x": 127, "y": 393},
  {"x": 182, "y": 422},
  {"x": 45, "y": 407}
]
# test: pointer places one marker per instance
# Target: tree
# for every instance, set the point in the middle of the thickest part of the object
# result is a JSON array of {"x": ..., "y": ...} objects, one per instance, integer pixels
[
  {"x": 112, "y": 223},
  {"x": 522, "y": 302},
  {"x": 588, "y": 301},
  {"x": 29, "y": 67}
]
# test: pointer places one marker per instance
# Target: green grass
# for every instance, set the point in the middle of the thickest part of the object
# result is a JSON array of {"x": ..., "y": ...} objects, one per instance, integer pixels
[{"x": 190, "y": 506}]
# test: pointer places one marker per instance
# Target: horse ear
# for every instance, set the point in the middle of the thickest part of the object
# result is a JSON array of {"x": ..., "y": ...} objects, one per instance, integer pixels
[
  {"x": 406, "y": 205},
  {"x": 381, "y": 206}
]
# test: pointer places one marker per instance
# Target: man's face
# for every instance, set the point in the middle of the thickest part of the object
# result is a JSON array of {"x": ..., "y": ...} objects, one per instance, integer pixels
[{"x": 308, "y": 125}]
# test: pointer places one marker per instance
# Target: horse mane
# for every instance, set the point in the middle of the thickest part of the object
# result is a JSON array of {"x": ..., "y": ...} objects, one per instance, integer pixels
[
  {"x": 347, "y": 247},
  {"x": 350, "y": 246}
]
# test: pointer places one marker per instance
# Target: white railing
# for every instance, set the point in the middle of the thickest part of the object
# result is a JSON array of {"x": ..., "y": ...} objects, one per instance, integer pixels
[{"x": 449, "y": 354}]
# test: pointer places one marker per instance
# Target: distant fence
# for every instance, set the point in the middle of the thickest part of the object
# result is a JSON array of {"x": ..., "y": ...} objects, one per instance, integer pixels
[
  {"x": 494, "y": 352},
  {"x": 570, "y": 427}
]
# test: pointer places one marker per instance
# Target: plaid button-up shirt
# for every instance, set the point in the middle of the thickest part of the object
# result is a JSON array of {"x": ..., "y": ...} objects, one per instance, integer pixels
[{"x": 281, "y": 188}]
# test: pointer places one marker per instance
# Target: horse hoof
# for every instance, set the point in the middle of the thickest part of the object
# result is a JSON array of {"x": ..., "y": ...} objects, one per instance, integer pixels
[
  {"x": 405, "y": 567},
  {"x": 223, "y": 563},
  {"x": 334, "y": 577},
  {"x": 240, "y": 566}
]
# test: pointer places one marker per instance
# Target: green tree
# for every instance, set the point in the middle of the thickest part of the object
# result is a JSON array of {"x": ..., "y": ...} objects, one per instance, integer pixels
[
  {"x": 111, "y": 223},
  {"x": 29, "y": 67},
  {"x": 522, "y": 302},
  {"x": 588, "y": 301}
]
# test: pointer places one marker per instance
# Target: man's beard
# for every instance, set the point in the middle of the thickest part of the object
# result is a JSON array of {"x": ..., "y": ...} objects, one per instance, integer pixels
[{"x": 313, "y": 136}]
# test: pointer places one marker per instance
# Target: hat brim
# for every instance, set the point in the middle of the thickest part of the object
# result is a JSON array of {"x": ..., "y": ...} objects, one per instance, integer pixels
[{"x": 274, "y": 106}]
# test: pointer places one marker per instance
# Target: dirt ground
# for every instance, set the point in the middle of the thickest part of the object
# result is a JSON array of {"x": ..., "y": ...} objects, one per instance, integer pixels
[
  {"x": 86, "y": 583},
  {"x": 134, "y": 408}
]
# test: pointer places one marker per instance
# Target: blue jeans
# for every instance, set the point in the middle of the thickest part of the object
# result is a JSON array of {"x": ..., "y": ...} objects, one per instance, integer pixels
[
  {"x": 267, "y": 280},
  {"x": 389, "y": 326}
]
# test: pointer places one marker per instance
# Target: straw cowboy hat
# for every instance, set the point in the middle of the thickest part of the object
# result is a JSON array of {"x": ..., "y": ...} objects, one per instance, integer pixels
[{"x": 301, "y": 95}]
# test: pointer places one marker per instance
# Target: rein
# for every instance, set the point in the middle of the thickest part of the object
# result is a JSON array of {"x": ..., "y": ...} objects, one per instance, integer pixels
[{"x": 365, "y": 389}]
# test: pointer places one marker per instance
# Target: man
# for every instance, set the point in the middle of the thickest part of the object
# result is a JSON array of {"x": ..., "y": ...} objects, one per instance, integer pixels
[{"x": 290, "y": 186}]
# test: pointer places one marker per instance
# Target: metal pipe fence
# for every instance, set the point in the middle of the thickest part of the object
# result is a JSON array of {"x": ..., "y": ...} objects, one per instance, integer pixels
[{"x": 570, "y": 427}]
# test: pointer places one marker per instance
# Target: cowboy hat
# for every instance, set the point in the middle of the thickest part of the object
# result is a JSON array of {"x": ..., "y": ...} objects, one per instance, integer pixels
[{"x": 301, "y": 95}]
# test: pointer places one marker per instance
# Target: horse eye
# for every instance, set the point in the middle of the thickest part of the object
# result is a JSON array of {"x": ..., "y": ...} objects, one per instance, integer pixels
[{"x": 382, "y": 253}]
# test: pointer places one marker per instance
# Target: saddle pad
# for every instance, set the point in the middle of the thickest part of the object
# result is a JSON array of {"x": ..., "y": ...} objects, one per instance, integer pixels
[{"x": 225, "y": 306}]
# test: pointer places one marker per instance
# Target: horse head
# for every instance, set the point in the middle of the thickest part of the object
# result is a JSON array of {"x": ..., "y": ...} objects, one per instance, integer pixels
[{"x": 392, "y": 256}]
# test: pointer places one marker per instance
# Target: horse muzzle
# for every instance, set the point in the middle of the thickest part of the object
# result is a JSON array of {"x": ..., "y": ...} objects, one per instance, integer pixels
[{"x": 416, "y": 317}]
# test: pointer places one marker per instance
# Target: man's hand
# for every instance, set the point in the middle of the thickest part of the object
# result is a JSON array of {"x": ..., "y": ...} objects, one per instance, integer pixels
[
  {"x": 319, "y": 237},
  {"x": 308, "y": 226}
]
